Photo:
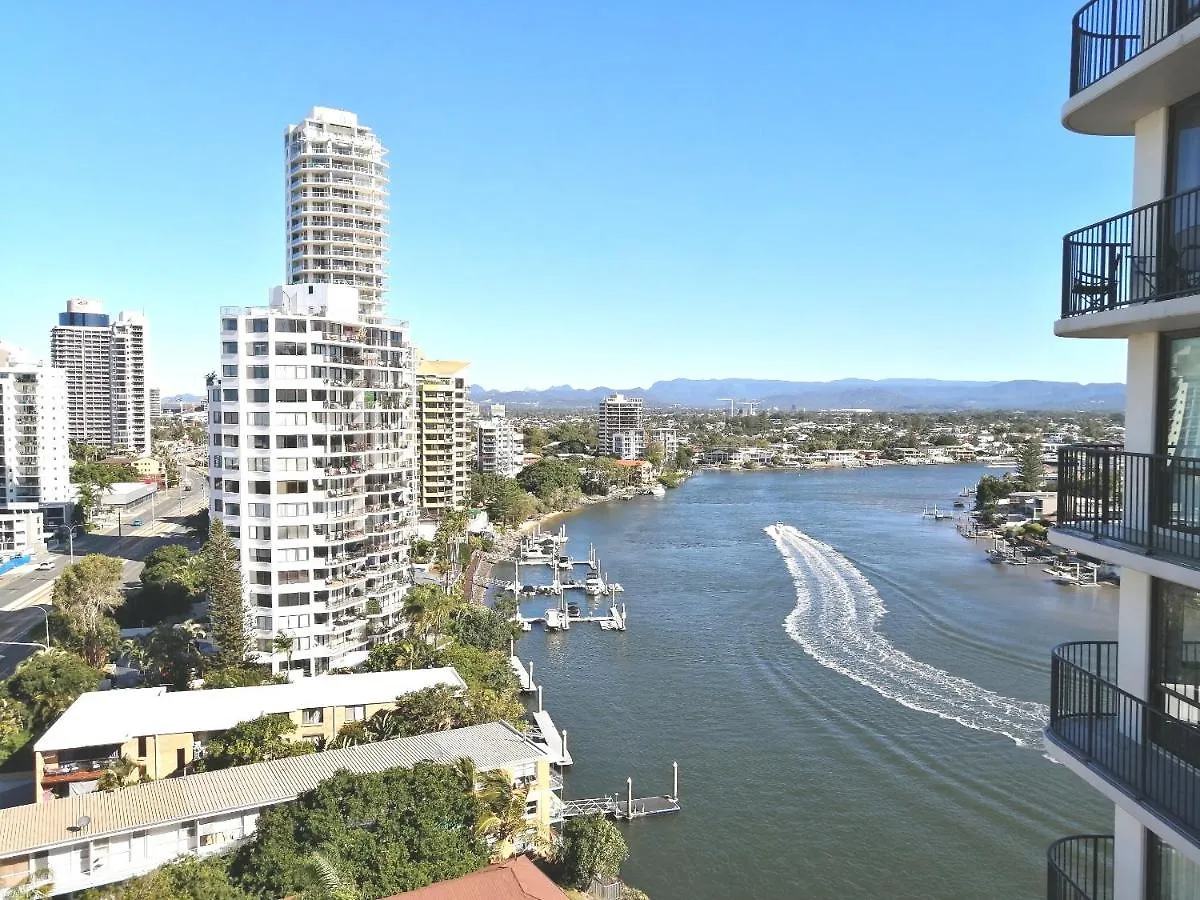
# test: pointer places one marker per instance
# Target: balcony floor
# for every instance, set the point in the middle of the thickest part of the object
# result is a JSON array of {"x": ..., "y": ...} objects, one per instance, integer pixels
[{"x": 1144, "y": 772}]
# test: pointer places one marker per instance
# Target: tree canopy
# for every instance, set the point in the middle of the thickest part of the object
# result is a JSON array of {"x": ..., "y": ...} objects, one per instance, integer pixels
[
  {"x": 396, "y": 831},
  {"x": 46, "y": 684},
  {"x": 256, "y": 740},
  {"x": 220, "y": 577},
  {"x": 479, "y": 626},
  {"x": 85, "y": 596},
  {"x": 591, "y": 845}
]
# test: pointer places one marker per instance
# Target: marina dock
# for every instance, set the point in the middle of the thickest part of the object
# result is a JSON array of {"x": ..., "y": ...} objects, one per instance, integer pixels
[
  {"x": 630, "y": 807},
  {"x": 546, "y": 733}
]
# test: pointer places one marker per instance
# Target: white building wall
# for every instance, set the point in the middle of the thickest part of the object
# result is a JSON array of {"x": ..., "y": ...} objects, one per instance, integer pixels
[{"x": 312, "y": 462}]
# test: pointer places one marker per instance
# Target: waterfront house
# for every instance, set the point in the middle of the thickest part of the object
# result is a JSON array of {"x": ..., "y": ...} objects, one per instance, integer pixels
[
  {"x": 102, "y": 837},
  {"x": 163, "y": 732},
  {"x": 1124, "y": 713}
]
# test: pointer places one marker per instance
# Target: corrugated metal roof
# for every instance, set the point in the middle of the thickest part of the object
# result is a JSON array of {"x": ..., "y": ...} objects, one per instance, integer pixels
[
  {"x": 114, "y": 717},
  {"x": 42, "y": 825}
]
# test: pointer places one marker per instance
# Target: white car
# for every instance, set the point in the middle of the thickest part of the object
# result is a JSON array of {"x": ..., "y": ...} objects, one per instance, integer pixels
[{"x": 45, "y": 566}]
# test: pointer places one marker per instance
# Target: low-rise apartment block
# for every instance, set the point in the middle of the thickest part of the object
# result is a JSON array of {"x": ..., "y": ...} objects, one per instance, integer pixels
[
  {"x": 164, "y": 732},
  {"x": 99, "y": 838}
]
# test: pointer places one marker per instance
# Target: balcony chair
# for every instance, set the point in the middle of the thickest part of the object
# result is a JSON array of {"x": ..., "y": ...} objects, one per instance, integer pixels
[{"x": 1097, "y": 290}]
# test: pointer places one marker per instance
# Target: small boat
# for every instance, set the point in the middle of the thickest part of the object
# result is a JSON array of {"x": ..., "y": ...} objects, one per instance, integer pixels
[
  {"x": 958, "y": 504},
  {"x": 554, "y": 619},
  {"x": 573, "y": 610},
  {"x": 593, "y": 585},
  {"x": 658, "y": 490},
  {"x": 564, "y": 562},
  {"x": 526, "y": 625}
]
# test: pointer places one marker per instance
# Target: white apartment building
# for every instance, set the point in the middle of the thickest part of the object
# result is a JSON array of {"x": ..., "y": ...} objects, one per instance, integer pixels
[
  {"x": 622, "y": 415},
  {"x": 442, "y": 435},
  {"x": 337, "y": 206},
  {"x": 1124, "y": 714},
  {"x": 35, "y": 468},
  {"x": 155, "y": 403},
  {"x": 312, "y": 468},
  {"x": 108, "y": 399},
  {"x": 499, "y": 444},
  {"x": 668, "y": 440}
]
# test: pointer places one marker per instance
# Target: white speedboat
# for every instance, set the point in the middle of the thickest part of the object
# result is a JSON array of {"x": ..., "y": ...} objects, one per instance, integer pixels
[
  {"x": 658, "y": 490},
  {"x": 554, "y": 619},
  {"x": 593, "y": 585},
  {"x": 564, "y": 562}
]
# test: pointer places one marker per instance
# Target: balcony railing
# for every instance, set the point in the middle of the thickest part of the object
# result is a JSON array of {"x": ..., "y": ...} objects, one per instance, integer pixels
[
  {"x": 1106, "y": 34},
  {"x": 1146, "y": 502},
  {"x": 1148, "y": 254},
  {"x": 1080, "y": 868},
  {"x": 1150, "y": 756}
]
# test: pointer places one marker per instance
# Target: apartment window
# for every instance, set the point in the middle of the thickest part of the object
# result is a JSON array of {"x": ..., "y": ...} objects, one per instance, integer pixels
[
  {"x": 291, "y": 419},
  {"x": 216, "y": 462},
  {"x": 290, "y": 395},
  {"x": 297, "y": 598},
  {"x": 229, "y": 395},
  {"x": 142, "y": 749},
  {"x": 291, "y": 487},
  {"x": 260, "y": 578},
  {"x": 260, "y": 555},
  {"x": 293, "y": 464},
  {"x": 262, "y": 601},
  {"x": 293, "y": 576},
  {"x": 314, "y": 716},
  {"x": 215, "y": 417},
  {"x": 230, "y": 440},
  {"x": 258, "y": 371},
  {"x": 292, "y": 326},
  {"x": 259, "y": 532},
  {"x": 229, "y": 371},
  {"x": 266, "y": 645},
  {"x": 258, "y": 464},
  {"x": 259, "y": 510},
  {"x": 297, "y": 621},
  {"x": 229, "y": 418},
  {"x": 287, "y": 373},
  {"x": 1171, "y": 873},
  {"x": 260, "y": 419},
  {"x": 258, "y": 395},
  {"x": 257, "y": 326},
  {"x": 262, "y": 623},
  {"x": 229, "y": 347},
  {"x": 356, "y": 713},
  {"x": 290, "y": 348},
  {"x": 258, "y": 487},
  {"x": 229, "y": 324},
  {"x": 234, "y": 531},
  {"x": 291, "y": 510},
  {"x": 260, "y": 441},
  {"x": 232, "y": 509},
  {"x": 291, "y": 532},
  {"x": 1175, "y": 660},
  {"x": 291, "y": 441},
  {"x": 294, "y": 554},
  {"x": 257, "y": 348}
]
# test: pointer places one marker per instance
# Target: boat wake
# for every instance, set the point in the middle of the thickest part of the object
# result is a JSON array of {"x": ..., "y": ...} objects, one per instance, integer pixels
[{"x": 835, "y": 622}]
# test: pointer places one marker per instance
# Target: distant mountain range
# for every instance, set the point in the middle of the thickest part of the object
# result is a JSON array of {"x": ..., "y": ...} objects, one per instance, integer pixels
[{"x": 890, "y": 395}]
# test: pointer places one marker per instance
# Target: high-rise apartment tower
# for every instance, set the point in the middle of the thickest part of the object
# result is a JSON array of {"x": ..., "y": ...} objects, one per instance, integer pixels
[{"x": 337, "y": 206}]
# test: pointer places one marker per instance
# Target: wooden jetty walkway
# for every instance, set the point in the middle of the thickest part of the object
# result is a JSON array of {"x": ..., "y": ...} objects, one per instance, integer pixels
[{"x": 631, "y": 807}]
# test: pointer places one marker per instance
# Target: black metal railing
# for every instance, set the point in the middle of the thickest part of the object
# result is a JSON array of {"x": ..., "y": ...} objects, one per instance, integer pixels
[
  {"x": 1145, "y": 255},
  {"x": 1147, "y": 754},
  {"x": 1148, "y": 502},
  {"x": 1080, "y": 868},
  {"x": 1106, "y": 34}
]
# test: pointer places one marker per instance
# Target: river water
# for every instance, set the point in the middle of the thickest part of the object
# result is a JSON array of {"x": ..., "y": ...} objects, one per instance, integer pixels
[{"x": 853, "y": 698}]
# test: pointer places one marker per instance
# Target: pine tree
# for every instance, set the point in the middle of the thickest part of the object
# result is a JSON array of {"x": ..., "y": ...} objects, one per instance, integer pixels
[
  {"x": 1031, "y": 472},
  {"x": 221, "y": 578}
]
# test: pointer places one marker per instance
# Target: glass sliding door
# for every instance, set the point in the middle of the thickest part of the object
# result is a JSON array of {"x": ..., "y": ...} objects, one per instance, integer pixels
[
  {"x": 1175, "y": 670},
  {"x": 1175, "y": 496},
  {"x": 1171, "y": 875}
]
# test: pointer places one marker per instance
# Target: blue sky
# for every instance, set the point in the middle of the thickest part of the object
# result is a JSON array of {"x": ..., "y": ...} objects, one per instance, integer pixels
[{"x": 582, "y": 193}]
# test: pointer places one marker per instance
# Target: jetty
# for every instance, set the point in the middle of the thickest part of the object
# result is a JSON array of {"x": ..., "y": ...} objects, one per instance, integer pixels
[
  {"x": 616, "y": 620},
  {"x": 629, "y": 807}
]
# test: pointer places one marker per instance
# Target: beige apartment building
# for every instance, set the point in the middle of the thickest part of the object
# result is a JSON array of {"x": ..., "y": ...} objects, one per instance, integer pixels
[
  {"x": 442, "y": 436},
  {"x": 164, "y": 732}
]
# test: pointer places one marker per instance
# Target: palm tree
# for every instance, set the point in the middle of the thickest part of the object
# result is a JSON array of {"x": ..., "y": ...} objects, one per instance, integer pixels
[
  {"x": 464, "y": 768},
  {"x": 120, "y": 774},
  {"x": 285, "y": 643},
  {"x": 326, "y": 881},
  {"x": 503, "y": 819}
]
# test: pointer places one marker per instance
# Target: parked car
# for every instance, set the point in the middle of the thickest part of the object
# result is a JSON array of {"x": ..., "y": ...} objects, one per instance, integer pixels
[{"x": 45, "y": 566}]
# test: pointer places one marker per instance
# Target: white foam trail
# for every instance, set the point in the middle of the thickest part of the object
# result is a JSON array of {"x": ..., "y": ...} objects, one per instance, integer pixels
[{"x": 835, "y": 619}]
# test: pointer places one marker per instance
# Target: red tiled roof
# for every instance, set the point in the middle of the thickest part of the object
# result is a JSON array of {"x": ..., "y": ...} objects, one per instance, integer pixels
[
  {"x": 513, "y": 879},
  {"x": 631, "y": 463}
]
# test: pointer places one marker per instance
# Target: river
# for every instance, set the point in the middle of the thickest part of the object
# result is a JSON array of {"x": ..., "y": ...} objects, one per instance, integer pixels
[{"x": 853, "y": 699}]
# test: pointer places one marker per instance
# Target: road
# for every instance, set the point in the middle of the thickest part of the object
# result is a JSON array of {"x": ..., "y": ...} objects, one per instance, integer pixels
[{"x": 26, "y": 588}]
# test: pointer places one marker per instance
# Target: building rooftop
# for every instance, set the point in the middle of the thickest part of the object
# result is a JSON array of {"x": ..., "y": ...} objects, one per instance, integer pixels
[
  {"x": 42, "y": 825},
  {"x": 513, "y": 879},
  {"x": 114, "y": 717},
  {"x": 442, "y": 367}
]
